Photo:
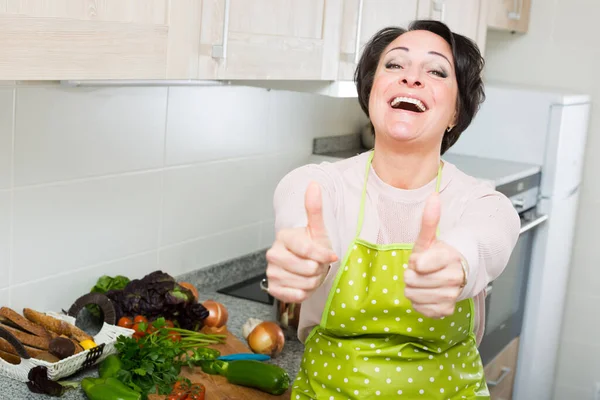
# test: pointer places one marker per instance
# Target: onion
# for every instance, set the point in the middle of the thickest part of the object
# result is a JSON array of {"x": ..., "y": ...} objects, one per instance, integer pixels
[
  {"x": 266, "y": 338},
  {"x": 218, "y": 314},
  {"x": 249, "y": 326}
]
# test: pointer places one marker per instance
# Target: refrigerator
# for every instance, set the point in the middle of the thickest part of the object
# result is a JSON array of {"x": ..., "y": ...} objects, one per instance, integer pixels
[{"x": 548, "y": 128}]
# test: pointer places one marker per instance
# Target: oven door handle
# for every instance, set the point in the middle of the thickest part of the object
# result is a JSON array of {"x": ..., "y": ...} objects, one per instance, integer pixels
[
  {"x": 532, "y": 224},
  {"x": 504, "y": 373}
]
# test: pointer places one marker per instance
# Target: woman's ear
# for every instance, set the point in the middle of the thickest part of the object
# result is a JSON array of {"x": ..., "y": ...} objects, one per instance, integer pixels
[{"x": 453, "y": 122}]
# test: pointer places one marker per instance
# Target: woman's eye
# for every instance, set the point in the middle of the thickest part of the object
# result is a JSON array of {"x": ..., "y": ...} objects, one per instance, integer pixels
[
  {"x": 439, "y": 73},
  {"x": 392, "y": 65}
]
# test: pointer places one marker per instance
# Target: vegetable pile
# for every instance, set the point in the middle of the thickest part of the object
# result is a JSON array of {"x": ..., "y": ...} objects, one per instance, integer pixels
[
  {"x": 159, "y": 295},
  {"x": 151, "y": 363}
]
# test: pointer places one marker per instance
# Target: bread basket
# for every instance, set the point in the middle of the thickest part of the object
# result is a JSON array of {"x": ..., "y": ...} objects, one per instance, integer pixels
[{"x": 105, "y": 340}]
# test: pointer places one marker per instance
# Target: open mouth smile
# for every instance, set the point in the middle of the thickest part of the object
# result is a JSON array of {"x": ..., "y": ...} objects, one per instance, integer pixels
[{"x": 408, "y": 104}]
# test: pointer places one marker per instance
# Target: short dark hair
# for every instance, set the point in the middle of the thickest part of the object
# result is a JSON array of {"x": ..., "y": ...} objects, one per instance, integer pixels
[{"x": 468, "y": 64}]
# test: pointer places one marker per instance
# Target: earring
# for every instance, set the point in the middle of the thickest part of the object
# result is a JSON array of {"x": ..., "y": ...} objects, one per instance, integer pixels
[{"x": 448, "y": 129}]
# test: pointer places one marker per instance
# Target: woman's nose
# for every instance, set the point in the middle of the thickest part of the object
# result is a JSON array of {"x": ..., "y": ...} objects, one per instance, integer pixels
[{"x": 411, "y": 78}]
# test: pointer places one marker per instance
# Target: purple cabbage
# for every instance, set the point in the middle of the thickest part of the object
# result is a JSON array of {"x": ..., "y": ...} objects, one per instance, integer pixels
[{"x": 159, "y": 295}]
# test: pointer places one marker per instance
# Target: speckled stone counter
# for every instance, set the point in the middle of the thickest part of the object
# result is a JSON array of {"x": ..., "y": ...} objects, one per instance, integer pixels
[{"x": 208, "y": 281}]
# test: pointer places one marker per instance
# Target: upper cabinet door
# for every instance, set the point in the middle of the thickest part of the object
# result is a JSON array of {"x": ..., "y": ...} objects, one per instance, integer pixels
[
  {"x": 509, "y": 15},
  {"x": 367, "y": 17},
  {"x": 466, "y": 17},
  {"x": 109, "y": 39},
  {"x": 270, "y": 39}
]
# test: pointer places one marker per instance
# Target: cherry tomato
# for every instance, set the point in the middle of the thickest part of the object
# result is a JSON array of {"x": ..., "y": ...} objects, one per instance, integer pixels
[
  {"x": 125, "y": 322},
  {"x": 177, "y": 397},
  {"x": 139, "y": 318},
  {"x": 169, "y": 324},
  {"x": 180, "y": 394},
  {"x": 197, "y": 392},
  {"x": 174, "y": 336},
  {"x": 139, "y": 331},
  {"x": 181, "y": 385}
]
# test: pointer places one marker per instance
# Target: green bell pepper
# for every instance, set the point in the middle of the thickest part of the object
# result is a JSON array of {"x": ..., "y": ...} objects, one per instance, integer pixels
[
  {"x": 108, "y": 389},
  {"x": 110, "y": 366}
]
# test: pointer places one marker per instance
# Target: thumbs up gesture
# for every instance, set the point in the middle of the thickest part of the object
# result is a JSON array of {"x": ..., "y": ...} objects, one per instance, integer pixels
[
  {"x": 299, "y": 259},
  {"x": 435, "y": 277}
]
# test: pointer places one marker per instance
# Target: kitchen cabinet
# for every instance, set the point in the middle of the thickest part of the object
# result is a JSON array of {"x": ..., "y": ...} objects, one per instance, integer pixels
[
  {"x": 466, "y": 17},
  {"x": 362, "y": 19},
  {"x": 509, "y": 15},
  {"x": 500, "y": 372},
  {"x": 270, "y": 39},
  {"x": 109, "y": 39}
]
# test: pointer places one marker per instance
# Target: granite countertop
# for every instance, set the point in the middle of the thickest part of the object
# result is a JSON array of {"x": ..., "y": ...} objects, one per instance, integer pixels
[{"x": 208, "y": 281}]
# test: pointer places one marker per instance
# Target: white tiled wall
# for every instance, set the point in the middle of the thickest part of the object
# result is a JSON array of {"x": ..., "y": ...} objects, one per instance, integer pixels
[
  {"x": 129, "y": 180},
  {"x": 560, "y": 51}
]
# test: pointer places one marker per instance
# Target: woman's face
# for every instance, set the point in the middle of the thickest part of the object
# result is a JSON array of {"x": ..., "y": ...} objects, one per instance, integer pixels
[{"x": 413, "y": 98}]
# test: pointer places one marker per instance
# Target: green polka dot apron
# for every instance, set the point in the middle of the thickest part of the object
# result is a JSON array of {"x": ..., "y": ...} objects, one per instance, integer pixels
[{"x": 371, "y": 343}]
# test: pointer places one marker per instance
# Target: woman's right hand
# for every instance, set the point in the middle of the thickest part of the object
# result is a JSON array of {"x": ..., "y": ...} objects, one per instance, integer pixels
[{"x": 300, "y": 258}]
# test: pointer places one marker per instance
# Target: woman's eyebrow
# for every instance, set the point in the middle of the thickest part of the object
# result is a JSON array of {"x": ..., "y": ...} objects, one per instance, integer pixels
[{"x": 431, "y": 52}]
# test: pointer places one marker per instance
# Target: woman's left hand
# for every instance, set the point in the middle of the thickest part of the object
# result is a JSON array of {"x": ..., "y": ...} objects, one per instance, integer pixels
[{"x": 435, "y": 277}]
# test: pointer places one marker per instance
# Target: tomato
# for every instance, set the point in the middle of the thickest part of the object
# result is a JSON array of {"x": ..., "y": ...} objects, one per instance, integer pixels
[
  {"x": 169, "y": 324},
  {"x": 139, "y": 331},
  {"x": 139, "y": 318},
  {"x": 177, "y": 397},
  {"x": 197, "y": 392},
  {"x": 174, "y": 336},
  {"x": 198, "y": 387},
  {"x": 125, "y": 322},
  {"x": 181, "y": 385}
]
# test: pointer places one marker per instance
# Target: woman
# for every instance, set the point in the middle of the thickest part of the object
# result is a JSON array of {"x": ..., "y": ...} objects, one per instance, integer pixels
[{"x": 390, "y": 251}]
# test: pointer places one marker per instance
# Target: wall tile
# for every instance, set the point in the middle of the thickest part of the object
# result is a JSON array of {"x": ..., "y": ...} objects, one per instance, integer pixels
[
  {"x": 267, "y": 234},
  {"x": 60, "y": 291},
  {"x": 5, "y": 297},
  {"x": 6, "y": 132},
  {"x": 4, "y": 238},
  {"x": 200, "y": 253},
  {"x": 72, "y": 133},
  {"x": 210, "y": 198},
  {"x": 69, "y": 226},
  {"x": 209, "y": 123},
  {"x": 277, "y": 167},
  {"x": 293, "y": 121}
]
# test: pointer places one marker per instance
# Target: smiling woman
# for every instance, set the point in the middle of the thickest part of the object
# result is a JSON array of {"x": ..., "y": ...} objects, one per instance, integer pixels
[{"x": 390, "y": 251}]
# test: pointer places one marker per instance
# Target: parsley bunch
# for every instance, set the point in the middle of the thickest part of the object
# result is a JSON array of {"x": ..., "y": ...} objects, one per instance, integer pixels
[{"x": 152, "y": 363}]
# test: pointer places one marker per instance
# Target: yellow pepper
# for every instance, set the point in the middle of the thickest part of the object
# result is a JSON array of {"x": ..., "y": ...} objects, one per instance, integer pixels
[{"x": 87, "y": 344}]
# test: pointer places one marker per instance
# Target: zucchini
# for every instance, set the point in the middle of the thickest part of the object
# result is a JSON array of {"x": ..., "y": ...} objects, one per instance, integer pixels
[{"x": 268, "y": 378}]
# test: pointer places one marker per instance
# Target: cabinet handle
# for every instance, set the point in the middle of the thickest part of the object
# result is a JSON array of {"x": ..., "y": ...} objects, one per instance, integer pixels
[
  {"x": 440, "y": 6},
  {"x": 515, "y": 14},
  {"x": 504, "y": 374},
  {"x": 220, "y": 50},
  {"x": 358, "y": 31}
]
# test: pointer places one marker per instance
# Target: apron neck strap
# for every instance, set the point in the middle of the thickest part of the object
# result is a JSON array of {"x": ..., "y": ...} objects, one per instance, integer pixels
[{"x": 361, "y": 212}]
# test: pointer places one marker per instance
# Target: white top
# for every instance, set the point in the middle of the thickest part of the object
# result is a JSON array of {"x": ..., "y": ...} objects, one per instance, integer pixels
[{"x": 478, "y": 221}]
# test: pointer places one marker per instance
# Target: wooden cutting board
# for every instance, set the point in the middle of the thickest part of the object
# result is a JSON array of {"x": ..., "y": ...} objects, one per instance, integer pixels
[{"x": 217, "y": 387}]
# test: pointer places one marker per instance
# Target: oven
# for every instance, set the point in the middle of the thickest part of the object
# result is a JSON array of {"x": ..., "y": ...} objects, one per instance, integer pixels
[{"x": 506, "y": 296}]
